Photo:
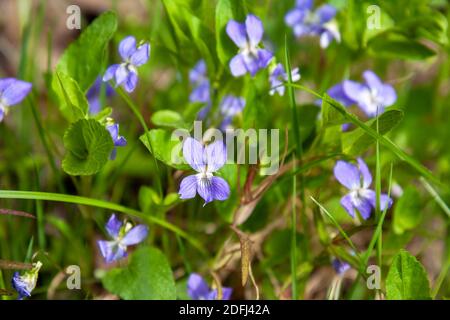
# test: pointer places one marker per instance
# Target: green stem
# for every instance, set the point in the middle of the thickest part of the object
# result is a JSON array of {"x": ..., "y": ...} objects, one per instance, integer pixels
[
  {"x": 378, "y": 197},
  {"x": 379, "y": 228},
  {"x": 47, "y": 196},
  {"x": 337, "y": 225},
  {"x": 48, "y": 151},
  {"x": 440, "y": 280},
  {"x": 436, "y": 196},
  {"x": 294, "y": 239},
  {"x": 138, "y": 115},
  {"x": 299, "y": 153}
]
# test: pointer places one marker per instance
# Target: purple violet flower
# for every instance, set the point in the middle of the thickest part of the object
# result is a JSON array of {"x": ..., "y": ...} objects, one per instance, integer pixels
[
  {"x": 118, "y": 140},
  {"x": 25, "y": 284},
  {"x": 247, "y": 36},
  {"x": 304, "y": 21},
  {"x": 205, "y": 160},
  {"x": 198, "y": 289},
  {"x": 125, "y": 73},
  {"x": 371, "y": 96},
  {"x": 229, "y": 107},
  {"x": 340, "y": 266},
  {"x": 123, "y": 235},
  {"x": 200, "y": 83},
  {"x": 93, "y": 95},
  {"x": 360, "y": 197},
  {"x": 337, "y": 93},
  {"x": 12, "y": 92},
  {"x": 277, "y": 76}
]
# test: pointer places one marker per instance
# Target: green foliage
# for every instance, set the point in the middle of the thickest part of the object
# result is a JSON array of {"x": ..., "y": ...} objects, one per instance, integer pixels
[
  {"x": 225, "y": 11},
  {"x": 357, "y": 141},
  {"x": 331, "y": 116},
  {"x": 168, "y": 118},
  {"x": 83, "y": 59},
  {"x": 407, "y": 212},
  {"x": 277, "y": 248},
  {"x": 72, "y": 101},
  {"x": 147, "y": 277},
  {"x": 88, "y": 147},
  {"x": 190, "y": 29},
  {"x": 150, "y": 201},
  {"x": 103, "y": 114},
  {"x": 292, "y": 222},
  {"x": 407, "y": 279},
  {"x": 80, "y": 65},
  {"x": 166, "y": 148},
  {"x": 392, "y": 44}
]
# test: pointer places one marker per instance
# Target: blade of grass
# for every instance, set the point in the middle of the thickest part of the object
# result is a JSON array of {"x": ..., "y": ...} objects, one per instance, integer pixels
[
  {"x": 378, "y": 196},
  {"x": 361, "y": 265},
  {"x": 436, "y": 196},
  {"x": 336, "y": 224},
  {"x": 29, "y": 250},
  {"x": 294, "y": 239},
  {"x": 40, "y": 225},
  {"x": 47, "y": 196},
  {"x": 43, "y": 138},
  {"x": 379, "y": 227},
  {"x": 444, "y": 271},
  {"x": 440, "y": 279},
  {"x": 298, "y": 153}
]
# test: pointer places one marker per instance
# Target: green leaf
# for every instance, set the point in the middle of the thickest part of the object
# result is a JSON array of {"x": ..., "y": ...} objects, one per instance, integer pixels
[
  {"x": 307, "y": 118},
  {"x": 72, "y": 101},
  {"x": 149, "y": 200},
  {"x": 82, "y": 60},
  {"x": 407, "y": 279},
  {"x": 392, "y": 44},
  {"x": 407, "y": 212},
  {"x": 190, "y": 113},
  {"x": 148, "y": 276},
  {"x": 255, "y": 112},
  {"x": 88, "y": 147},
  {"x": 190, "y": 29},
  {"x": 357, "y": 141},
  {"x": 103, "y": 114},
  {"x": 166, "y": 148},
  {"x": 227, "y": 10},
  {"x": 277, "y": 247},
  {"x": 168, "y": 118},
  {"x": 330, "y": 116},
  {"x": 385, "y": 21},
  {"x": 434, "y": 28}
]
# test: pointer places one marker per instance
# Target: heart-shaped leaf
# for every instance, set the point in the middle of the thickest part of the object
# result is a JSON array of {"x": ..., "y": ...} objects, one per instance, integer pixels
[
  {"x": 88, "y": 147},
  {"x": 148, "y": 276}
]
